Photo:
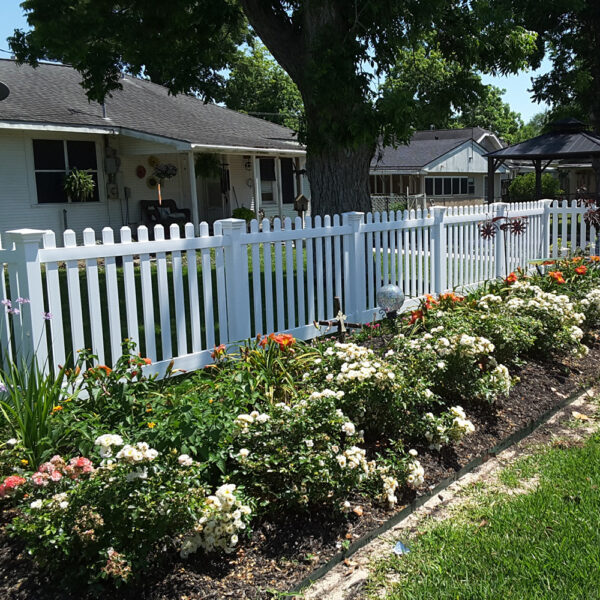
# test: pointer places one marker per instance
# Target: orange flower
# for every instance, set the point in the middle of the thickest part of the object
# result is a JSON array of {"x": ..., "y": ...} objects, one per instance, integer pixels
[
  {"x": 415, "y": 316},
  {"x": 57, "y": 408},
  {"x": 549, "y": 262},
  {"x": 557, "y": 276},
  {"x": 283, "y": 339},
  {"x": 594, "y": 258},
  {"x": 430, "y": 301},
  {"x": 581, "y": 270},
  {"x": 147, "y": 361},
  {"x": 262, "y": 341},
  {"x": 107, "y": 370},
  {"x": 151, "y": 425},
  {"x": 577, "y": 259},
  {"x": 451, "y": 296},
  {"x": 511, "y": 278},
  {"x": 216, "y": 353}
]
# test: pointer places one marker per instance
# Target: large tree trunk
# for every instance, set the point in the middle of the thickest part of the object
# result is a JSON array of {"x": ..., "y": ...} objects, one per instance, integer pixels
[
  {"x": 319, "y": 51},
  {"x": 339, "y": 180}
]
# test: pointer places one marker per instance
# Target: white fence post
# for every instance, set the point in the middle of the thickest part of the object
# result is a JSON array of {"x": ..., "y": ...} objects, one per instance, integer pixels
[
  {"x": 355, "y": 279},
  {"x": 499, "y": 242},
  {"x": 33, "y": 342},
  {"x": 545, "y": 241},
  {"x": 236, "y": 280},
  {"x": 439, "y": 251}
]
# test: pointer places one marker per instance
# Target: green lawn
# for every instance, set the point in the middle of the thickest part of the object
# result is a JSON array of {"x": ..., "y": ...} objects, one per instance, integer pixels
[{"x": 544, "y": 544}]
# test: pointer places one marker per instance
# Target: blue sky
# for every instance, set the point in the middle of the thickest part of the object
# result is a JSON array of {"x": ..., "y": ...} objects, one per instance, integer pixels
[{"x": 11, "y": 17}]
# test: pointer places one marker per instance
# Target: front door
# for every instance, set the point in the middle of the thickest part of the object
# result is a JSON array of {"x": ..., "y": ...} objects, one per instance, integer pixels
[{"x": 212, "y": 199}]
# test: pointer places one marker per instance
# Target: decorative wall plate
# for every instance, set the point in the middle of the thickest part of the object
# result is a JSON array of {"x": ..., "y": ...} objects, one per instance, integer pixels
[
  {"x": 153, "y": 161},
  {"x": 140, "y": 171}
]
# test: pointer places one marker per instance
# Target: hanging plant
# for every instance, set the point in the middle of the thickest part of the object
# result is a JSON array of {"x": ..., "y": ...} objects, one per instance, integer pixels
[
  {"x": 79, "y": 186},
  {"x": 208, "y": 166}
]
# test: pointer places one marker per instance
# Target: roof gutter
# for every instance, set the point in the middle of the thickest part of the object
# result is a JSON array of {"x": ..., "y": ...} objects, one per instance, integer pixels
[
  {"x": 248, "y": 150},
  {"x": 59, "y": 128}
]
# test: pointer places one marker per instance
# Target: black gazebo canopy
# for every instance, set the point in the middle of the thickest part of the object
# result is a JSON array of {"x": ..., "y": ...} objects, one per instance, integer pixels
[{"x": 567, "y": 139}]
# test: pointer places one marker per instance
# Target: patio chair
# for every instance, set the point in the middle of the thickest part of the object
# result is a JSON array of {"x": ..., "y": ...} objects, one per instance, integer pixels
[{"x": 165, "y": 214}]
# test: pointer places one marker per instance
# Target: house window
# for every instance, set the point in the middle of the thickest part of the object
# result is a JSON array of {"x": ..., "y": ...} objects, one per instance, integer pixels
[
  {"x": 267, "y": 180},
  {"x": 449, "y": 186},
  {"x": 54, "y": 159}
]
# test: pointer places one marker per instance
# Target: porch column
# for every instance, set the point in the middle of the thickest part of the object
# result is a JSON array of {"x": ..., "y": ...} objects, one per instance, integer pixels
[
  {"x": 193, "y": 191},
  {"x": 256, "y": 184},
  {"x": 278, "y": 189}
]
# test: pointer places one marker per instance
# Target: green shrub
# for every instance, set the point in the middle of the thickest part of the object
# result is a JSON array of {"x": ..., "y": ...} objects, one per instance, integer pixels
[
  {"x": 522, "y": 188},
  {"x": 135, "y": 504}
]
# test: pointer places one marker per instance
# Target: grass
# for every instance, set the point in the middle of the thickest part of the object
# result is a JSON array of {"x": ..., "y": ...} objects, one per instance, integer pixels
[{"x": 542, "y": 544}]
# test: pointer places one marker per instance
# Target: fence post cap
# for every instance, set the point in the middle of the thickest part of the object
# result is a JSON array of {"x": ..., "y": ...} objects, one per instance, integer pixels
[
  {"x": 232, "y": 224},
  {"x": 26, "y": 235},
  {"x": 439, "y": 212}
]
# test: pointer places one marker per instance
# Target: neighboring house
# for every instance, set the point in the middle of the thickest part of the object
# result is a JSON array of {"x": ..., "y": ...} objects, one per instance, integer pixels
[
  {"x": 445, "y": 165},
  {"x": 47, "y": 127}
]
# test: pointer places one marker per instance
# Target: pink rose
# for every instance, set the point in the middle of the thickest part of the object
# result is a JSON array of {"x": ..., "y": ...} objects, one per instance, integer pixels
[{"x": 56, "y": 476}]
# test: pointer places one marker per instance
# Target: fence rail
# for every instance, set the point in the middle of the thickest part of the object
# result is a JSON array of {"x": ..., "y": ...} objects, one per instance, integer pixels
[{"x": 177, "y": 298}]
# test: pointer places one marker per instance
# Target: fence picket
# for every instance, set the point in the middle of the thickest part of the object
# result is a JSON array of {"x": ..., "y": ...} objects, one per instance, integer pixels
[
  {"x": 147, "y": 296},
  {"x": 93, "y": 290},
  {"x": 57, "y": 335},
  {"x": 207, "y": 290},
  {"x": 74, "y": 292},
  {"x": 194, "y": 298}
]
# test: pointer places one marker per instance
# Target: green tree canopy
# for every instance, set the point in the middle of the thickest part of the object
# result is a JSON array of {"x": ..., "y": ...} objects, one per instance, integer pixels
[
  {"x": 259, "y": 86},
  {"x": 333, "y": 50},
  {"x": 442, "y": 92}
]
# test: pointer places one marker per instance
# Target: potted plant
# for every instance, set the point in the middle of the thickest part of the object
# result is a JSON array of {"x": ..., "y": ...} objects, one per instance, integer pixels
[{"x": 79, "y": 185}]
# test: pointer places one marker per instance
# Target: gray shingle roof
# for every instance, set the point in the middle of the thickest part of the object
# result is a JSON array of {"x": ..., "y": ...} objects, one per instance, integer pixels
[
  {"x": 423, "y": 148},
  {"x": 567, "y": 139},
  {"x": 52, "y": 93}
]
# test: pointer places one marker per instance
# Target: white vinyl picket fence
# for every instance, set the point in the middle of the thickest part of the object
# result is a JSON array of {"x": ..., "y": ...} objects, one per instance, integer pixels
[{"x": 177, "y": 298}]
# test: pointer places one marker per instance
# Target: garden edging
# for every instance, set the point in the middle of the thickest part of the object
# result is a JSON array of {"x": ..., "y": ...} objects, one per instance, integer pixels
[{"x": 396, "y": 519}]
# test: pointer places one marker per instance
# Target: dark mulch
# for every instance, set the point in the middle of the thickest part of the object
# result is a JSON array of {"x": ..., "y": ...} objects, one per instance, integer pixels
[{"x": 281, "y": 553}]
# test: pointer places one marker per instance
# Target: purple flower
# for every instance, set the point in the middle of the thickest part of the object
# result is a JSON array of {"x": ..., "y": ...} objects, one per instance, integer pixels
[
  {"x": 2, "y": 387},
  {"x": 22, "y": 301},
  {"x": 14, "y": 311},
  {"x": 6, "y": 302},
  {"x": 47, "y": 316}
]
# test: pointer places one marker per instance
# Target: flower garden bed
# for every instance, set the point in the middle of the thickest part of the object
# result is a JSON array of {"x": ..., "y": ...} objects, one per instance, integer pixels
[{"x": 296, "y": 481}]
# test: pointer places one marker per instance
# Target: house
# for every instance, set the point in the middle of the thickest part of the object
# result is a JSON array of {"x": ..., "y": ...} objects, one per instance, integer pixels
[
  {"x": 446, "y": 165},
  {"x": 222, "y": 159}
]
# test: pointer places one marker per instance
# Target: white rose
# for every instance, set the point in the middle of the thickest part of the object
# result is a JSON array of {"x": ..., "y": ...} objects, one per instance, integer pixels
[
  {"x": 36, "y": 504},
  {"x": 185, "y": 460}
]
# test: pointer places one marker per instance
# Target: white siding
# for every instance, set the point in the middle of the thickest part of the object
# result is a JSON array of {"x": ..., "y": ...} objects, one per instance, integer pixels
[
  {"x": 466, "y": 159},
  {"x": 18, "y": 196}
]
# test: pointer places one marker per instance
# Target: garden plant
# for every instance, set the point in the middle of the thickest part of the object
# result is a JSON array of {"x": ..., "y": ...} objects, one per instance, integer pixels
[{"x": 124, "y": 471}]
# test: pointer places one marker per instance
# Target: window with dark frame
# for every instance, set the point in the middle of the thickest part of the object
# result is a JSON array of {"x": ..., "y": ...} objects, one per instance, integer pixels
[{"x": 54, "y": 159}]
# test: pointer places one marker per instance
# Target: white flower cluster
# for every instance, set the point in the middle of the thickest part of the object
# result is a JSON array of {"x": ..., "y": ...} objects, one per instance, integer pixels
[
  {"x": 354, "y": 458},
  {"x": 106, "y": 442},
  {"x": 219, "y": 525},
  {"x": 531, "y": 297},
  {"x": 390, "y": 485},
  {"x": 349, "y": 352},
  {"x": 467, "y": 345},
  {"x": 486, "y": 301},
  {"x": 244, "y": 421},
  {"x": 500, "y": 380},
  {"x": 447, "y": 428},
  {"x": 416, "y": 474},
  {"x": 57, "y": 501},
  {"x": 592, "y": 300},
  {"x": 327, "y": 394},
  {"x": 139, "y": 453}
]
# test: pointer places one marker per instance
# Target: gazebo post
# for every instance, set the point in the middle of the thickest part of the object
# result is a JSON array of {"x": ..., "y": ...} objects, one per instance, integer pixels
[
  {"x": 490, "y": 180},
  {"x": 538, "y": 178}
]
